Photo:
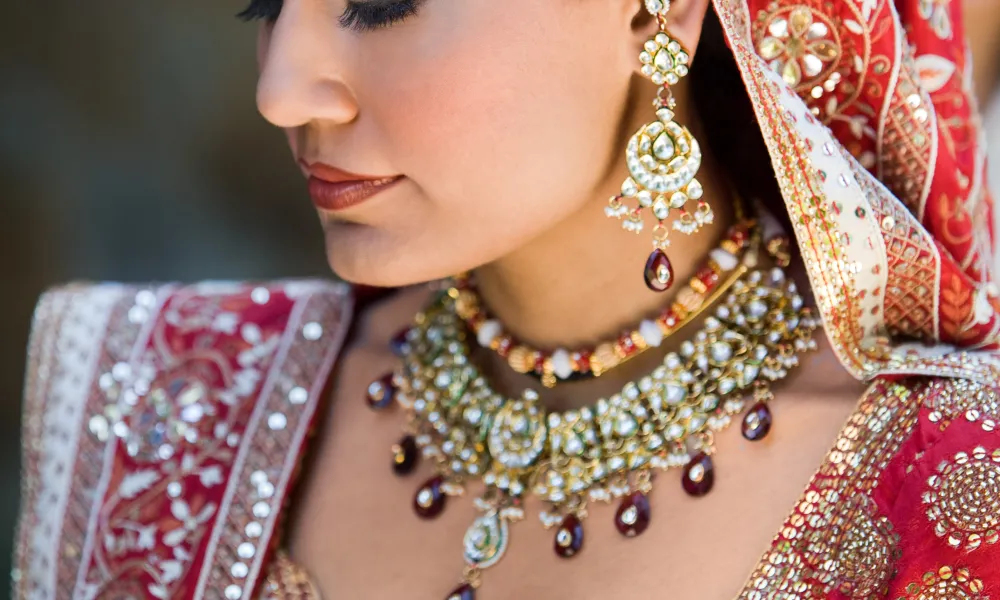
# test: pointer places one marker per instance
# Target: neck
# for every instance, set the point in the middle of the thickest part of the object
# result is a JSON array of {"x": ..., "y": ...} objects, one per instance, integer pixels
[{"x": 582, "y": 281}]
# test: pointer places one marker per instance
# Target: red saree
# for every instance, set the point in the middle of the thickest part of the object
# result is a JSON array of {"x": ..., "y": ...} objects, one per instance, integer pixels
[{"x": 163, "y": 426}]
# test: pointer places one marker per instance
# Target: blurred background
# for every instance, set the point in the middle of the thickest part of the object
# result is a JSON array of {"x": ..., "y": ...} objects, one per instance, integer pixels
[{"x": 130, "y": 149}]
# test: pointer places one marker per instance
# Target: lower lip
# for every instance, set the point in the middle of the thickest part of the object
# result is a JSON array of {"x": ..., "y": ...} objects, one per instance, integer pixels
[{"x": 327, "y": 195}]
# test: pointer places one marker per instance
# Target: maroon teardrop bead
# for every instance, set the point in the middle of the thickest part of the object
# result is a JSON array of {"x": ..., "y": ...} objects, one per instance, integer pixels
[
  {"x": 429, "y": 500},
  {"x": 463, "y": 592},
  {"x": 632, "y": 517},
  {"x": 569, "y": 537},
  {"x": 404, "y": 456},
  {"x": 381, "y": 393},
  {"x": 757, "y": 422},
  {"x": 699, "y": 475},
  {"x": 659, "y": 273}
]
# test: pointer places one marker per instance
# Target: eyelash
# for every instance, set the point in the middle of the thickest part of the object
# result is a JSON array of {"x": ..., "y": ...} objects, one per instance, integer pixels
[{"x": 359, "y": 16}]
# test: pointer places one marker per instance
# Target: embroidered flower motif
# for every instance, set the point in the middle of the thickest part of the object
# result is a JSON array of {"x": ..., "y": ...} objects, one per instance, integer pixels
[
  {"x": 798, "y": 46},
  {"x": 983, "y": 308},
  {"x": 962, "y": 499},
  {"x": 170, "y": 571},
  {"x": 936, "y": 13},
  {"x": 189, "y": 522}
]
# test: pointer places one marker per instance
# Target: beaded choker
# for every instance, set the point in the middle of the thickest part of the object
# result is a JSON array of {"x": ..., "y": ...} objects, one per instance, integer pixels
[
  {"x": 722, "y": 268},
  {"x": 608, "y": 451}
]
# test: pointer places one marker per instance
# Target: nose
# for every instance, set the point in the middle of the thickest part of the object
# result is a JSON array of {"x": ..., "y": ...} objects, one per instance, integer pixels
[{"x": 301, "y": 77}]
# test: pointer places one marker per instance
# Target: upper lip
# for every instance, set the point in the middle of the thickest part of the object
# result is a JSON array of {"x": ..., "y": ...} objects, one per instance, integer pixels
[{"x": 334, "y": 175}]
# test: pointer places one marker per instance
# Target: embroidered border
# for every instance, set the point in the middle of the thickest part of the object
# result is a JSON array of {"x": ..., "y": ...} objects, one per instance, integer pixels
[
  {"x": 819, "y": 188},
  {"x": 119, "y": 381},
  {"x": 261, "y": 478},
  {"x": 811, "y": 555},
  {"x": 50, "y": 543}
]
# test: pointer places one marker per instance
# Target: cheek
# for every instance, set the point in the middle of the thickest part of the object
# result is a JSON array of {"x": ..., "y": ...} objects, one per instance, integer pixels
[{"x": 508, "y": 120}]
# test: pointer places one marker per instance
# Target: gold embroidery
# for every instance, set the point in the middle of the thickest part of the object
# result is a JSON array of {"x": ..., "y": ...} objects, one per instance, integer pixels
[
  {"x": 981, "y": 367},
  {"x": 964, "y": 499},
  {"x": 286, "y": 580},
  {"x": 868, "y": 552},
  {"x": 909, "y": 140},
  {"x": 957, "y": 309},
  {"x": 828, "y": 542},
  {"x": 800, "y": 45},
  {"x": 913, "y": 262},
  {"x": 945, "y": 584},
  {"x": 953, "y": 398}
]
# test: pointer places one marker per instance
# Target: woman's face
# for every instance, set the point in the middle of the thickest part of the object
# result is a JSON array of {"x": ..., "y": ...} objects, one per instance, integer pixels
[{"x": 503, "y": 116}]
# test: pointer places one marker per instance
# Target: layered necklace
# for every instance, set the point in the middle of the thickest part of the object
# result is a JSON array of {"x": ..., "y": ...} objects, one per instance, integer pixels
[
  {"x": 605, "y": 452},
  {"x": 719, "y": 271}
]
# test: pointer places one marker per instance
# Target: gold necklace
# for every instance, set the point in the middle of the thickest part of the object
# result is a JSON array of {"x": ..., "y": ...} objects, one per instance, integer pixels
[
  {"x": 723, "y": 267},
  {"x": 608, "y": 451}
]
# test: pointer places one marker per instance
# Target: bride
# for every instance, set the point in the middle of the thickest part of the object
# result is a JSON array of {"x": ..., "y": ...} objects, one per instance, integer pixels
[{"x": 651, "y": 299}]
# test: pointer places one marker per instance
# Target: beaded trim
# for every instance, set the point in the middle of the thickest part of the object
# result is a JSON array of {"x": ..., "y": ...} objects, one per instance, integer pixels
[
  {"x": 724, "y": 266},
  {"x": 663, "y": 421}
]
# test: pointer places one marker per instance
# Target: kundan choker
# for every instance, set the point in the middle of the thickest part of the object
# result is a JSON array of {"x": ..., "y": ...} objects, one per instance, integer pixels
[
  {"x": 721, "y": 270},
  {"x": 608, "y": 451}
]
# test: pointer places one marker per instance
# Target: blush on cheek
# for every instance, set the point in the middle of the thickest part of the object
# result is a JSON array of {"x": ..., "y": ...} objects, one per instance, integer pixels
[
  {"x": 502, "y": 120},
  {"x": 492, "y": 110}
]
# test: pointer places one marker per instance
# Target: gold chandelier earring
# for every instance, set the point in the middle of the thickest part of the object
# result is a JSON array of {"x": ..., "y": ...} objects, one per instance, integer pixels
[{"x": 662, "y": 158}]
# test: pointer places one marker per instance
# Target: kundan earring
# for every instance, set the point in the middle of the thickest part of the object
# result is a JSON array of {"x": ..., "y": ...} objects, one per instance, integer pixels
[{"x": 662, "y": 159}]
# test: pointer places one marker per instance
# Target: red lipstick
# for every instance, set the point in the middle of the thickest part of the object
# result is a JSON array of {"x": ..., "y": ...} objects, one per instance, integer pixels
[{"x": 335, "y": 189}]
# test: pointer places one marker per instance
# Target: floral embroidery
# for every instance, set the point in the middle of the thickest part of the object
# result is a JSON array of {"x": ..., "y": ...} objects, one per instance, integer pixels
[
  {"x": 934, "y": 72},
  {"x": 936, "y": 12},
  {"x": 799, "y": 47},
  {"x": 189, "y": 522},
  {"x": 963, "y": 499},
  {"x": 199, "y": 397}
]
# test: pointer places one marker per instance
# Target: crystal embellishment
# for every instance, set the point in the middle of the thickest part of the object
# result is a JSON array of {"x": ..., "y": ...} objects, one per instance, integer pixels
[
  {"x": 430, "y": 499},
  {"x": 632, "y": 517},
  {"x": 757, "y": 422},
  {"x": 569, "y": 537},
  {"x": 600, "y": 453},
  {"x": 486, "y": 541},
  {"x": 659, "y": 272},
  {"x": 381, "y": 393}
]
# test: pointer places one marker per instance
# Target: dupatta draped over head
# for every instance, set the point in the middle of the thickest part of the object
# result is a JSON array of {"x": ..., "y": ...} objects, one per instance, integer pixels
[
  {"x": 866, "y": 107},
  {"x": 164, "y": 424}
]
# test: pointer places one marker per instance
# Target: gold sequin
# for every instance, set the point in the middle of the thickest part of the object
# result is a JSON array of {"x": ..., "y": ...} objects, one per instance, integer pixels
[
  {"x": 868, "y": 553},
  {"x": 946, "y": 583},
  {"x": 963, "y": 499},
  {"x": 958, "y": 397},
  {"x": 287, "y": 580}
]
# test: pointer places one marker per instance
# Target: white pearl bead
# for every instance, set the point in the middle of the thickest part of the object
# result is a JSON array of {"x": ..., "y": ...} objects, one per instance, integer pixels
[
  {"x": 651, "y": 332},
  {"x": 725, "y": 260},
  {"x": 562, "y": 366},
  {"x": 488, "y": 331}
]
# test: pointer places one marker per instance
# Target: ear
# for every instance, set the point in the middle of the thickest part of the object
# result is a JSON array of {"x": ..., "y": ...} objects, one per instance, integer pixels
[{"x": 684, "y": 22}]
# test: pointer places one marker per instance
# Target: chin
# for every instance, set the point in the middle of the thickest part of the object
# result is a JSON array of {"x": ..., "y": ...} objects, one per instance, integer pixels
[{"x": 366, "y": 255}]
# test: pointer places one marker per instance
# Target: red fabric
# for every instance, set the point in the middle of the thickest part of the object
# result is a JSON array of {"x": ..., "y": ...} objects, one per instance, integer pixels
[
  {"x": 900, "y": 102},
  {"x": 902, "y": 493}
]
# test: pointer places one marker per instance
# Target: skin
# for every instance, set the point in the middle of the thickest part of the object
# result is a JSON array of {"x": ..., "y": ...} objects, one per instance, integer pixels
[
  {"x": 508, "y": 120},
  {"x": 982, "y": 22}
]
